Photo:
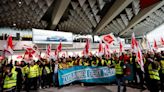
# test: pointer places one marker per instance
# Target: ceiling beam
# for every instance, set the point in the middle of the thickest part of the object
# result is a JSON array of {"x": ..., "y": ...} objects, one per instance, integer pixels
[
  {"x": 141, "y": 16},
  {"x": 59, "y": 9},
  {"x": 117, "y": 8}
]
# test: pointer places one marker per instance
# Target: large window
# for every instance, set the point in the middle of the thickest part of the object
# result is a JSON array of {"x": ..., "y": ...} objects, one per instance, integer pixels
[{"x": 156, "y": 34}]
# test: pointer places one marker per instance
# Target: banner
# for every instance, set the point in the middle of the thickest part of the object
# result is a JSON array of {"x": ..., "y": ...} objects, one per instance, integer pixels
[
  {"x": 88, "y": 74},
  {"x": 51, "y": 37}
]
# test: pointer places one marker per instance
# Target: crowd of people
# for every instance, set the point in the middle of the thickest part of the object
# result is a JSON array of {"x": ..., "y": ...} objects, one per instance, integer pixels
[{"x": 16, "y": 76}]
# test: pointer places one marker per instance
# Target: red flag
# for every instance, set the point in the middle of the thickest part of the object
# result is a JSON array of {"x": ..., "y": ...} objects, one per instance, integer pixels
[
  {"x": 9, "y": 47},
  {"x": 134, "y": 43},
  {"x": 58, "y": 49},
  {"x": 162, "y": 41},
  {"x": 108, "y": 39},
  {"x": 121, "y": 47},
  {"x": 48, "y": 50},
  {"x": 19, "y": 57},
  {"x": 139, "y": 58},
  {"x": 100, "y": 47},
  {"x": 29, "y": 53},
  {"x": 155, "y": 45},
  {"x": 87, "y": 46},
  {"x": 56, "y": 53},
  {"x": 106, "y": 51}
]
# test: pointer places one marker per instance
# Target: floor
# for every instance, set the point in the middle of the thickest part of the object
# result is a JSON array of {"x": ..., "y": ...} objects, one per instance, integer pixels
[{"x": 78, "y": 88}]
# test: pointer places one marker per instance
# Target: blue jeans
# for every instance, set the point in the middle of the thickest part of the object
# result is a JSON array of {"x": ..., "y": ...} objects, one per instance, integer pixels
[
  {"x": 55, "y": 79},
  {"x": 121, "y": 82}
]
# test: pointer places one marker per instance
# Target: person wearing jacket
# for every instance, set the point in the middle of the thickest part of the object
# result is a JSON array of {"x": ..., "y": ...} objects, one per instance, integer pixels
[
  {"x": 10, "y": 79},
  {"x": 19, "y": 76},
  {"x": 119, "y": 68},
  {"x": 32, "y": 75},
  {"x": 153, "y": 70}
]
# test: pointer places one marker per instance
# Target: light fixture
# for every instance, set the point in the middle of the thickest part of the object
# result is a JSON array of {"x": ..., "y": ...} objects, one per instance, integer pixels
[
  {"x": 20, "y": 2},
  {"x": 14, "y": 24},
  {"x": 28, "y": 21}
]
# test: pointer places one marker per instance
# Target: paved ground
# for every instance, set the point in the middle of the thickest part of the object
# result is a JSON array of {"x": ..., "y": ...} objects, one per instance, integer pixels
[{"x": 78, "y": 88}]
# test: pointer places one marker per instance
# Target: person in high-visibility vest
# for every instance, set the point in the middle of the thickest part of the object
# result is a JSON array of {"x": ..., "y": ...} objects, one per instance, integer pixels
[
  {"x": 63, "y": 64},
  {"x": 133, "y": 62},
  {"x": 119, "y": 68},
  {"x": 10, "y": 79},
  {"x": 153, "y": 70},
  {"x": 18, "y": 69},
  {"x": 94, "y": 62},
  {"x": 55, "y": 77},
  {"x": 25, "y": 74},
  {"x": 162, "y": 73},
  {"x": 45, "y": 79},
  {"x": 32, "y": 75}
]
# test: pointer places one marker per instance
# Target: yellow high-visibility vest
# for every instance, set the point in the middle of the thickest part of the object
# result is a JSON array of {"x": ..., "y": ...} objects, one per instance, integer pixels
[
  {"x": 33, "y": 71},
  {"x": 162, "y": 66},
  {"x": 153, "y": 73},
  {"x": 95, "y": 63},
  {"x": 118, "y": 68},
  {"x": 10, "y": 82}
]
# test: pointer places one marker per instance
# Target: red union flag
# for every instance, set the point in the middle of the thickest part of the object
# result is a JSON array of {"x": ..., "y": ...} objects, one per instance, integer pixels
[
  {"x": 121, "y": 46},
  {"x": 58, "y": 49},
  {"x": 9, "y": 47},
  {"x": 100, "y": 47},
  {"x": 48, "y": 50},
  {"x": 140, "y": 59},
  {"x": 87, "y": 46},
  {"x": 162, "y": 41},
  {"x": 155, "y": 45},
  {"x": 108, "y": 39},
  {"x": 134, "y": 43},
  {"x": 19, "y": 57}
]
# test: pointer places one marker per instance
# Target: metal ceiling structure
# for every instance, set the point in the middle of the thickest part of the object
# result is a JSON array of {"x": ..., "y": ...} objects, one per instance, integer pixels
[
  {"x": 96, "y": 17},
  {"x": 23, "y": 13}
]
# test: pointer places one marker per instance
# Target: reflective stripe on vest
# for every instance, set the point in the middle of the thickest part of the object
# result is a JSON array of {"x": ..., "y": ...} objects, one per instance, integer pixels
[
  {"x": 119, "y": 69},
  {"x": 154, "y": 74}
]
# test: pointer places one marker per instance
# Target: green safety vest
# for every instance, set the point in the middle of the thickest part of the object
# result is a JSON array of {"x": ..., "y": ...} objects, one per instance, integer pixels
[
  {"x": 10, "y": 82},
  {"x": 119, "y": 69},
  {"x": 154, "y": 74},
  {"x": 162, "y": 66}
]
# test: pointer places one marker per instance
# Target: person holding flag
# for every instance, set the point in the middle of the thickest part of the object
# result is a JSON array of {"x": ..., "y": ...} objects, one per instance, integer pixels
[{"x": 137, "y": 61}]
